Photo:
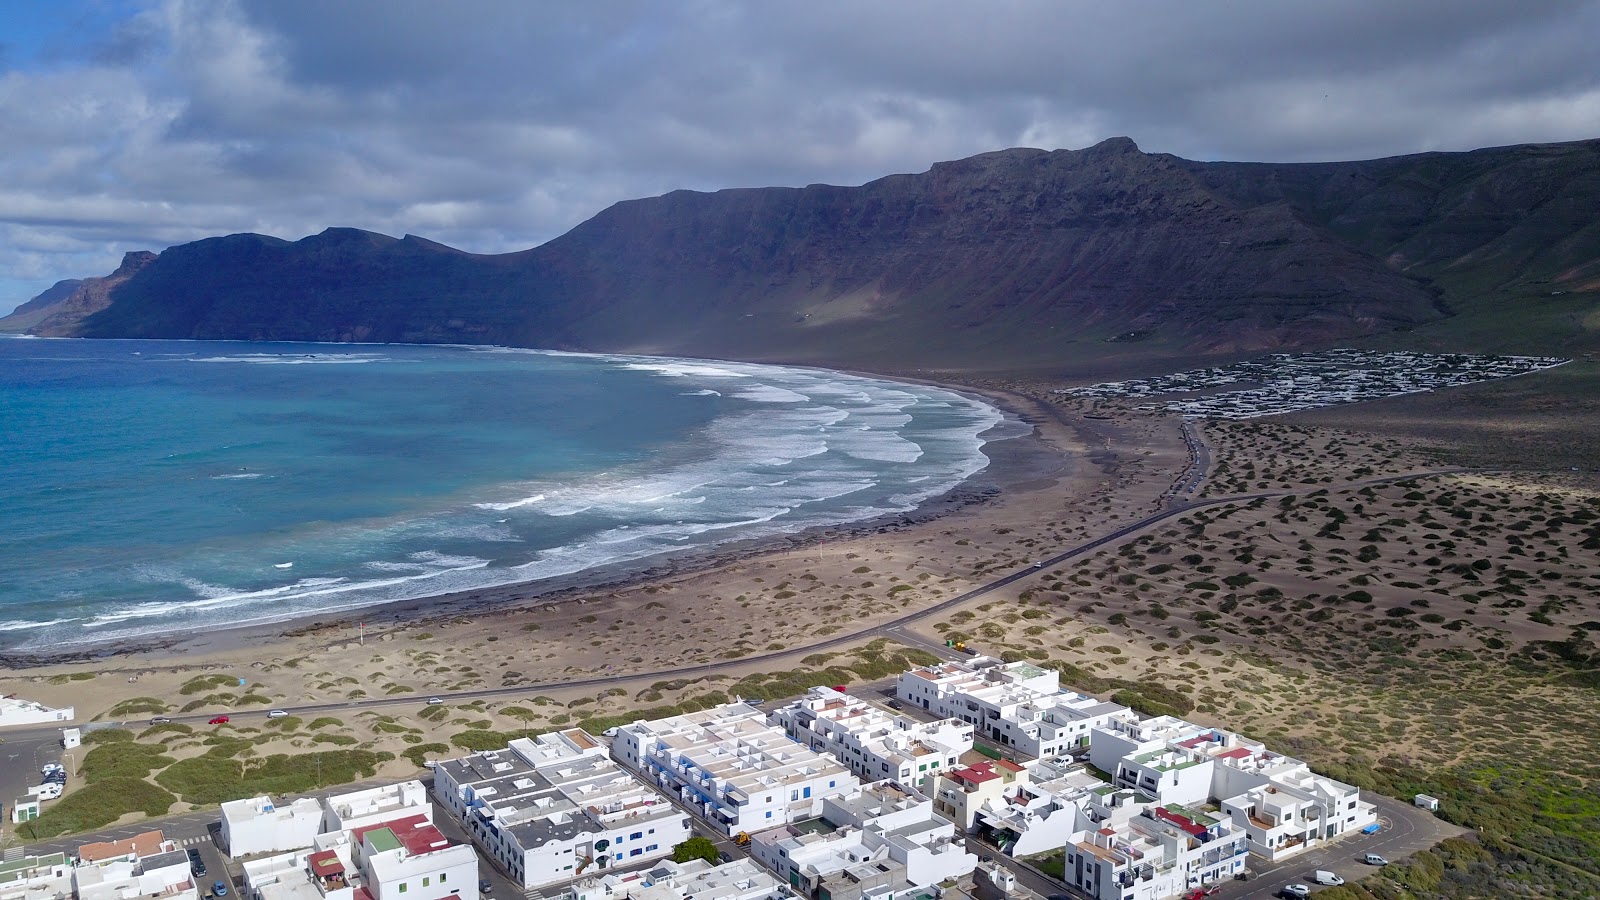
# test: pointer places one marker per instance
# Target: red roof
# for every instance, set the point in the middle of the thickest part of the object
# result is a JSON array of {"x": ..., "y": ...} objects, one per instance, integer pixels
[
  {"x": 415, "y": 833},
  {"x": 361, "y": 893},
  {"x": 977, "y": 774},
  {"x": 325, "y": 862},
  {"x": 1008, "y": 765},
  {"x": 1184, "y": 822},
  {"x": 1235, "y": 753}
]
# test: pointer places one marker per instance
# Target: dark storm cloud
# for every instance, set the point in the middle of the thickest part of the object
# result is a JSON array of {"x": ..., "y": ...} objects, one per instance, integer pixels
[{"x": 496, "y": 125}]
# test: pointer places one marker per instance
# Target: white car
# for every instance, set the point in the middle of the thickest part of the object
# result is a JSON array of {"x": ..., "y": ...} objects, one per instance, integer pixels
[
  {"x": 611, "y": 732},
  {"x": 276, "y": 714},
  {"x": 434, "y": 701},
  {"x": 1294, "y": 891},
  {"x": 1373, "y": 859},
  {"x": 1323, "y": 876}
]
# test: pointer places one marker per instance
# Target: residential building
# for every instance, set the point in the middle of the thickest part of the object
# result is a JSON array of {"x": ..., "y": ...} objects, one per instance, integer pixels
[
  {"x": 1122, "y": 737},
  {"x": 410, "y": 859},
  {"x": 741, "y": 879},
  {"x": 15, "y": 711},
  {"x": 47, "y": 877},
  {"x": 872, "y": 743},
  {"x": 1019, "y": 705},
  {"x": 344, "y": 812},
  {"x": 1038, "y": 814},
  {"x": 313, "y": 874},
  {"x": 163, "y": 875},
  {"x": 733, "y": 769},
  {"x": 258, "y": 825},
  {"x": 881, "y": 841},
  {"x": 141, "y": 845},
  {"x": 556, "y": 808},
  {"x": 1161, "y": 852},
  {"x": 958, "y": 795}
]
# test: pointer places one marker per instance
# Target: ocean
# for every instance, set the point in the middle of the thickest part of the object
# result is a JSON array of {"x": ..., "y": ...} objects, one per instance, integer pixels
[{"x": 154, "y": 487}]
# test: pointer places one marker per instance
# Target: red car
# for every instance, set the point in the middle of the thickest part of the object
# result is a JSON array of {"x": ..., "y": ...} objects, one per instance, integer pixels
[
  {"x": 1201, "y": 893},
  {"x": 218, "y": 720}
]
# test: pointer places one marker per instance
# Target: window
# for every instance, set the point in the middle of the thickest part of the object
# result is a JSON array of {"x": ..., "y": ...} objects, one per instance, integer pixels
[
  {"x": 794, "y": 795},
  {"x": 636, "y": 835},
  {"x": 403, "y": 887},
  {"x": 651, "y": 847},
  {"x": 769, "y": 813},
  {"x": 806, "y": 792},
  {"x": 634, "y": 852},
  {"x": 426, "y": 881},
  {"x": 830, "y": 784},
  {"x": 442, "y": 876}
]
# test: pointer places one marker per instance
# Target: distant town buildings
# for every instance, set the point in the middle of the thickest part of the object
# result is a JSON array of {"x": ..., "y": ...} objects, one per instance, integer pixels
[
  {"x": 874, "y": 744},
  {"x": 15, "y": 711},
  {"x": 1288, "y": 382}
]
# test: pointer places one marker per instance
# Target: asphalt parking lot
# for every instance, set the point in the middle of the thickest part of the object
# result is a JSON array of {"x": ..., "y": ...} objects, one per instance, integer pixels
[{"x": 20, "y": 762}]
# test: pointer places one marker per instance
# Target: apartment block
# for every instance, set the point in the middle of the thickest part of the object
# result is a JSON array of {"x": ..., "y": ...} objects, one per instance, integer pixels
[
  {"x": 318, "y": 873},
  {"x": 883, "y": 841},
  {"x": 556, "y": 808},
  {"x": 874, "y": 744},
  {"x": 1017, "y": 705},
  {"x": 163, "y": 876},
  {"x": 1037, "y": 814},
  {"x": 1162, "y": 851},
  {"x": 734, "y": 770}
]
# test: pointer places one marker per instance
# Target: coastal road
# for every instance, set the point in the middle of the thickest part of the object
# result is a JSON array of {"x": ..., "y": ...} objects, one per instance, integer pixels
[{"x": 897, "y": 628}]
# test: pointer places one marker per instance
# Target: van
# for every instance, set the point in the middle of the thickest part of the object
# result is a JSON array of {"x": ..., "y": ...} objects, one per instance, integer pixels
[
  {"x": 47, "y": 791},
  {"x": 1323, "y": 876},
  {"x": 1373, "y": 859}
]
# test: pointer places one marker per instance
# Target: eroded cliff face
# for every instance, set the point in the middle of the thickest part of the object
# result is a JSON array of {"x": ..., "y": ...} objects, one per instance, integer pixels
[
  {"x": 61, "y": 310},
  {"x": 1018, "y": 257}
]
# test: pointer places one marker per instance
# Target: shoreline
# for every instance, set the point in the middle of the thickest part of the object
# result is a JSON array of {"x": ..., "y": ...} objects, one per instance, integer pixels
[{"x": 1013, "y": 463}]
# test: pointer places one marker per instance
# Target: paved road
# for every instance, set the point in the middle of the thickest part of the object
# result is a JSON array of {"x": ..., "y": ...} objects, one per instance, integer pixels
[{"x": 21, "y": 760}]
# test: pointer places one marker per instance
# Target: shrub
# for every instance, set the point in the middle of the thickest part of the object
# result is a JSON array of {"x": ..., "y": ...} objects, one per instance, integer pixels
[{"x": 97, "y": 805}]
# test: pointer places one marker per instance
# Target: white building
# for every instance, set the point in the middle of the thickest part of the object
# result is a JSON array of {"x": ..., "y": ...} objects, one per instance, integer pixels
[
  {"x": 257, "y": 825},
  {"x": 881, "y": 841},
  {"x": 741, "y": 879},
  {"x": 556, "y": 808},
  {"x": 1161, "y": 852},
  {"x": 1019, "y": 705},
  {"x": 409, "y": 856},
  {"x": 47, "y": 877},
  {"x": 15, "y": 711},
  {"x": 164, "y": 875},
  {"x": 733, "y": 769},
  {"x": 872, "y": 743},
  {"x": 1039, "y": 813},
  {"x": 1123, "y": 737},
  {"x": 314, "y": 874},
  {"x": 343, "y": 812}
]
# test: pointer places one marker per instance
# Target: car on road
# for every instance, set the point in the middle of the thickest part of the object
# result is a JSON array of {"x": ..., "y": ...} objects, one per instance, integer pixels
[
  {"x": 1294, "y": 891},
  {"x": 484, "y": 885},
  {"x": 1373, "y": 859},
  {"x": 1323, "y": 876},
  {"x": 896, "y": 704},
  {"x": 159, "y": 720},
  {"x": 197, "y": 866},
  {"x": 47, "y": 768},
  {"x": 218, "y": 720},
  {"x": 277, "y": 714},
  {"x": 611, "y": 732},
  {"x": 1200, "y": 893},
  {"x": 220, "y": 889},
  {"x": 59, "y": 776},
  {"x": 434, "y": 701},
  {"x": 985, "y": 858}
]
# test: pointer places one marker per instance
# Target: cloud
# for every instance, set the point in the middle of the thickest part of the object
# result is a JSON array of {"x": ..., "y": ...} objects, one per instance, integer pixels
[{"x": 497, "y": 124}]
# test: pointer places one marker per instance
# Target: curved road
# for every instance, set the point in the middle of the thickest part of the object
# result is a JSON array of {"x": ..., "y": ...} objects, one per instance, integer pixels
[{"x": 893, "y": 628}]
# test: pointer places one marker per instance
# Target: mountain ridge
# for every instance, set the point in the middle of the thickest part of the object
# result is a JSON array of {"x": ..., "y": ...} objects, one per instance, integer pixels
[{"x": 1020, "y": 256}]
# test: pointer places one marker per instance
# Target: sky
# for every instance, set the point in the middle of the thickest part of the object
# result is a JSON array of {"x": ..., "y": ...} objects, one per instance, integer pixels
[{"x": 495, "y": 125}]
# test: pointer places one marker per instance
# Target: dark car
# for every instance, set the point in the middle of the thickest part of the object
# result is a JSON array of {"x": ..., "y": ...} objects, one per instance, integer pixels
[
  {"x": 484, "y": 885},
  {"x": 196, "y": 864},
  {"x": 220, "y": 889}
]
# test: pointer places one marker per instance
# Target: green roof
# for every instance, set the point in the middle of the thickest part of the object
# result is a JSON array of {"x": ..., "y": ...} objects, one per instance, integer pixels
[
  {"x": 383, "y": 839},
  {"x": 18, "y": 869}
]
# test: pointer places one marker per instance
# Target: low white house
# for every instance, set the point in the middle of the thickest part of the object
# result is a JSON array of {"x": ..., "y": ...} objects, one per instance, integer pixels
[
  {"x": 257, "y": 825},
  {"x": 1159, "y": 853},
  {"x": 164, "y": 876},
  {"x": 315, "y": 874},
  {"x": 15, "y": 712},
  {"x": 738, "y": 880},
  {"x": 882, "y": 841},
  {"x": 47, "y": 877},
  {"x": 343, "y": 812}
]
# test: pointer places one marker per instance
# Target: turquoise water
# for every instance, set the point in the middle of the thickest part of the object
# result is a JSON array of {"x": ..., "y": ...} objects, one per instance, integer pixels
[{"x": 152, "y": 485}]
